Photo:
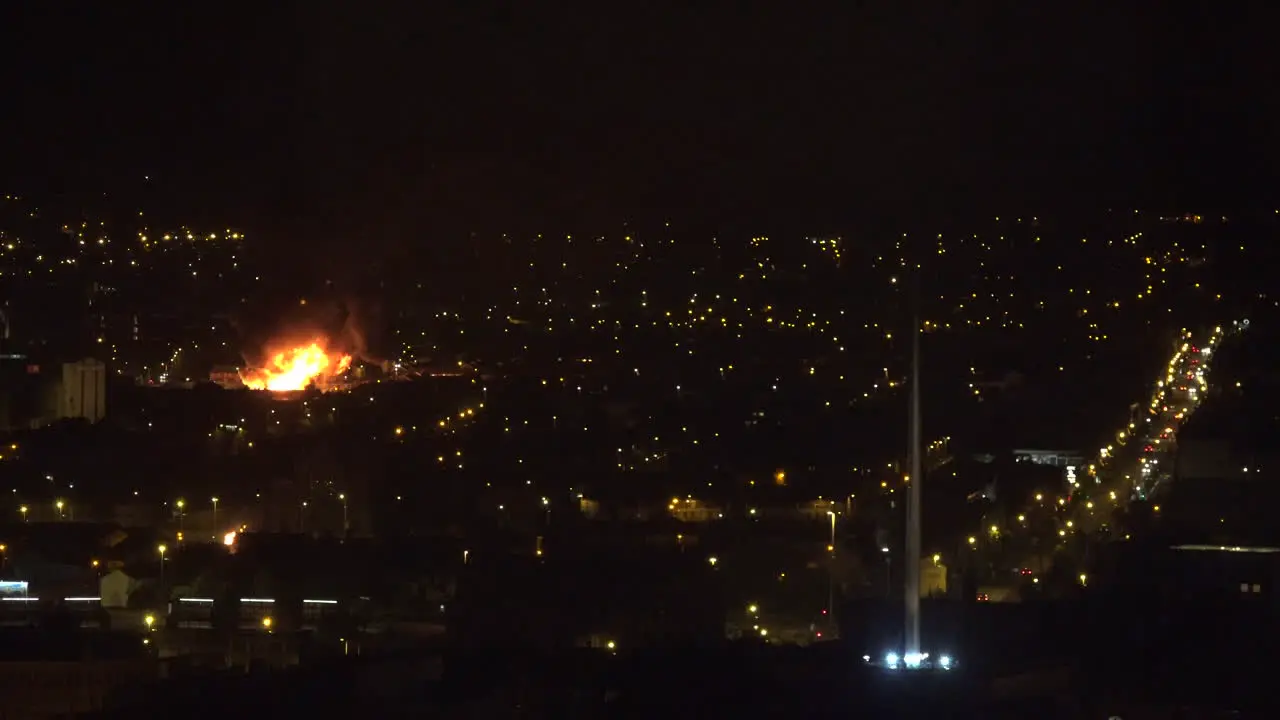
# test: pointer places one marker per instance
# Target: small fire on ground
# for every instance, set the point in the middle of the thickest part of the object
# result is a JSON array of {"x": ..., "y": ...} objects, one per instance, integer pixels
[{"x": 297, "y": 368}]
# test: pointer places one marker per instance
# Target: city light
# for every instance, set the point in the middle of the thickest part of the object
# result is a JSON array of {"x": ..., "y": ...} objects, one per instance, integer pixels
[{"x": 703, "y": 388}]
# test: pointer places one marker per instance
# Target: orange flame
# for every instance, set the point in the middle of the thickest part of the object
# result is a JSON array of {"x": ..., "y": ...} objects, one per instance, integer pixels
[{"x": 296, "y": 369}]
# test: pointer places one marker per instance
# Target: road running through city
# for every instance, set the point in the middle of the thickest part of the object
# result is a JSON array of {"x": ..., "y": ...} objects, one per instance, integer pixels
[{"x": 1136, "y": 465}]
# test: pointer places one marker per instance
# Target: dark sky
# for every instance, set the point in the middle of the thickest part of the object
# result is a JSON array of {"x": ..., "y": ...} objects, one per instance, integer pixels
[{"x": 375, "y": 118}]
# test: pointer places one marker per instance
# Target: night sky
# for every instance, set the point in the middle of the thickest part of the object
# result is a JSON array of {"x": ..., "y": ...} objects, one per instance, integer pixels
[{"x": 316, "y": 118}]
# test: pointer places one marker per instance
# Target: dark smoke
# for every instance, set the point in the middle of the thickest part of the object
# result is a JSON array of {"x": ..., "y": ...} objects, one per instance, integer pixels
[
  {"x": 344, "y": 325},
  {"x": 353, "y": 337}
]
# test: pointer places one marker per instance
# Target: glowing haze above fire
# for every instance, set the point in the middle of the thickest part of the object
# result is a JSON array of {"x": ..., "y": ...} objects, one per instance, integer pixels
[{"x": 297, "y": 368}]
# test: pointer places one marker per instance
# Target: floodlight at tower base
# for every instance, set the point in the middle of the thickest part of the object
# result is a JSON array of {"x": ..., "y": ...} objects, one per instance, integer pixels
[{"x": 912, "y": 661}]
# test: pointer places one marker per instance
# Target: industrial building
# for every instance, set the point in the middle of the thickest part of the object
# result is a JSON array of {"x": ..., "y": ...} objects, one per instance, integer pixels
[{"x": 34, "y": 394}]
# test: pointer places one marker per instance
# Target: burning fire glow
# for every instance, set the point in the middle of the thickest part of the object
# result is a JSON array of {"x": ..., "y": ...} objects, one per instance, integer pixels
[{"x": 296, "y": 369}]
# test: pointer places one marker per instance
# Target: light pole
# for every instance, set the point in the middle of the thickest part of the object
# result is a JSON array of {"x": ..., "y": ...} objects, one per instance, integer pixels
[
  {"x": 181, "y": 516},
  {"x": 214, "y": 500},
  {"x": 23, "y": 510},
  {"x": 302, "y": 517},
  {"x": 831, "y": 569},
  {"x": 345, "y": 525},
  {"x": 888, "y": 572},
  {"x": 161, "y": 549},
  {"x": 60, "y": 505}
]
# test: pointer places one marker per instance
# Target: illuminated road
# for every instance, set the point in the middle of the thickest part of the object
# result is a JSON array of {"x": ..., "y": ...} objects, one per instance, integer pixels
[
  {"x": 1131, "y": 467},
  {"x": 1141, "y": 459}
]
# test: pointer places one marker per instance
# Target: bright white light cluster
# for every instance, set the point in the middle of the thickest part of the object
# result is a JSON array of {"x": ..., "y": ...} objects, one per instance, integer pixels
[{"x": 914, "y": 661}]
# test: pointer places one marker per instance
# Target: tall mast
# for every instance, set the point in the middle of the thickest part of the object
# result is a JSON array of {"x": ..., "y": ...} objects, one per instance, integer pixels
[{"x": 911, "y": 559}]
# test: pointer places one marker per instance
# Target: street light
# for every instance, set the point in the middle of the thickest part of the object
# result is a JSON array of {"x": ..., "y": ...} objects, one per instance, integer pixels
[
  {"x": 214, "y": 500},
  {"x": 23, "y": 510},
  {"x": 161, "y": 548},
  {"x": 59, "y": 505},
  {"x": 345, "y": 524},
  {"x": 831, "y": 569},
  {"x": 888, "y": 571},
  {"x": 181, "y": 515}
]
